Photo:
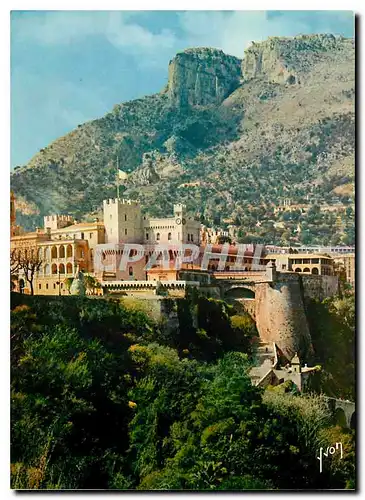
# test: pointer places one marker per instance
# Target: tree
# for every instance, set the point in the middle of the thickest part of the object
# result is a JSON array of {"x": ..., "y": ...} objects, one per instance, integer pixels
[
  {"x": 15, "y": 263},
  {"x": 68, "y": 282},
  {"x": 91, "y": 283},
  {"x": 25, "y": 259}
]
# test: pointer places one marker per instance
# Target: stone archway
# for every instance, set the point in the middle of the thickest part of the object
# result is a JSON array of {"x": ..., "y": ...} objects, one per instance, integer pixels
[{"x": 239, "y": 293}]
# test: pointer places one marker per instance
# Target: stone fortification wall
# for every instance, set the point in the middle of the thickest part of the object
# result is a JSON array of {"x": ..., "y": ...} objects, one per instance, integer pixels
[
  {"x": 319, "y": 287},
  {"x": 280, "y": 315}
]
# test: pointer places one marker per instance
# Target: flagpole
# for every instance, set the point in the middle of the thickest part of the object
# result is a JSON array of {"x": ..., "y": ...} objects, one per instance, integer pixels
[{"x": 118, "y": 177}]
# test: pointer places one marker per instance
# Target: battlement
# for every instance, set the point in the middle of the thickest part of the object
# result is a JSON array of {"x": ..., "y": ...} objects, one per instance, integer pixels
[
  {"x": 123, "y": 201},
  {"x": 57, "y": 221},
  {"x": 179, "y": 207}
]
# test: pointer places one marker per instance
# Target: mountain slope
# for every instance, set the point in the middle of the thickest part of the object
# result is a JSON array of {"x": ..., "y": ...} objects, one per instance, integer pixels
[{"x": 279, "y": 123}]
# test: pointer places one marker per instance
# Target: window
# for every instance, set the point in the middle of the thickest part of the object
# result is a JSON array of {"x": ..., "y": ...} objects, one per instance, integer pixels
[
  {"x": 188, "y": 237},
  {"x": 110, "y": 216},
  {"x": 306, "y": 261},
  {"x": 158, "y": 236},
  {"x": 54, "y": 285},
  {"x": 147, "y": 236},
  {"x": 315, "y": 261},
  {"x": 125, "y": 217},
  {"x": 82, "y": 236},
  {"x": 40, "y": 286},
  {"x": 283, "y": 267},
  {"x": 126, "y": 231},
  {"x": 46, "y": 286},
  {"x": 169, "y": 236},
  {"x": 191, "y": 237},
  {"x": 61, "y": 285},
  {"x": 90, "y": 235},
  {"x": 130, "y": 271}
]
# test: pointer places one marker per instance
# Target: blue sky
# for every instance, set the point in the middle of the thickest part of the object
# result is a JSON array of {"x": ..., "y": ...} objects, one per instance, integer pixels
[{"x": 68, "y": 67}]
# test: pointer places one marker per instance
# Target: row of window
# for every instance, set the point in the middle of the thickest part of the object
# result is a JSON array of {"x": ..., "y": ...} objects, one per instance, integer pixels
[
  {"x": 307, "y": 270},
  {"x": 306, "y": 261},
  {"x": 46, "y": 287},
  {"x": 61, "y": 269},
  {"x": 60, "y": 252}
]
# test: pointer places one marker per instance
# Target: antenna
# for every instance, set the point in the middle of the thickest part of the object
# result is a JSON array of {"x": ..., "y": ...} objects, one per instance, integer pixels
[{"x": 118, "y": 177}]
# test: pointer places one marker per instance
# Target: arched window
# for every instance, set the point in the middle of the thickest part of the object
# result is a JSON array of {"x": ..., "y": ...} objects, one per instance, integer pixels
[
  {"x": 61, "y": 252},
  {"x": 315, "y": 270},
  {"x": 54, "y": 268},
  {"x": 62, "y": 269},
  {"x": 69, "y": 268},
  {"x": 69, "y": 251},
  {"x": 54, "y": 253},
  {"x": 47, "y": 270},
  {"x": 169, "y": 236},
  {"x": 158, "y": 236},
  {"x": 47, "y": 253},
  {"x": 306, "y": 270},
  {"x": 130, "y": 271},
  {"x": 298, "y": 270}
]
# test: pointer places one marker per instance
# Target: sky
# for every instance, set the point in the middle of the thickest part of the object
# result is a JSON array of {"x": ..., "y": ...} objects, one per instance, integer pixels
[{"x": 69, "y": 67}]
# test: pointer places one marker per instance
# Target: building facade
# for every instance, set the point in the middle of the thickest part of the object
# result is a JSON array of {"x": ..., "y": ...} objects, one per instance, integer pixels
[{"x": 307, "y": 263}]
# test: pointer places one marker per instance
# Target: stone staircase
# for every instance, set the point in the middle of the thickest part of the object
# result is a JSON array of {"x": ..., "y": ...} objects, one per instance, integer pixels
[
  {"x": 265, "y": 359},
  {"x": 265, "y": 350}
]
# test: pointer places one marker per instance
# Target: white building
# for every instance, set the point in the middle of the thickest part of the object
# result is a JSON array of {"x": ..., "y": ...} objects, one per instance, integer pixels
[{"x": 124, "y": 223}]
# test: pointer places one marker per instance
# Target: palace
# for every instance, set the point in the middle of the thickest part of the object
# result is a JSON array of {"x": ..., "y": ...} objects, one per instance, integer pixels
[{"x": 65, "y": 246}]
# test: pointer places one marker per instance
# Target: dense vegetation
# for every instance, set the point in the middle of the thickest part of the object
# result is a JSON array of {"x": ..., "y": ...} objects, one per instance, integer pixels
[
  {"x": 332, "y": 326},
  {"x": 103, "y": 397}
]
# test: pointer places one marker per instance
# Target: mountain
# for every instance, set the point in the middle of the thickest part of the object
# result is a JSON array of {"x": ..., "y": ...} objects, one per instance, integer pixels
[{"x": 228, "y": 137}]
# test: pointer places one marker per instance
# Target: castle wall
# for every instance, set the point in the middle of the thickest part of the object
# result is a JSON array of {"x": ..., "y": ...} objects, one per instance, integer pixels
[
  {"x": 319, "y": 287},
  {"x": 280, "y": 315}
]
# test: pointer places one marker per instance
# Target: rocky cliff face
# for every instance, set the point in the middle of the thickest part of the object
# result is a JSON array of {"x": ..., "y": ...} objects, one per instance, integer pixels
[
  {"x": 286, "y": 60},
  {"x": 285, "y": 131},
  {"x": 202, "y": 77}
]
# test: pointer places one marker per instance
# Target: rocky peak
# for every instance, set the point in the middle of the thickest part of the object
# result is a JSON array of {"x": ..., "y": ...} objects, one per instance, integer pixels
[
  {"x": 286, "y": 59},
  {"x": 202, "y": 76}
]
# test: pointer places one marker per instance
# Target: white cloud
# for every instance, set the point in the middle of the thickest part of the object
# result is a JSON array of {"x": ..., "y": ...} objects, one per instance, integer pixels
[
  {"x": 234, "y": 31},
  {"x": 65, "y": 27}
]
